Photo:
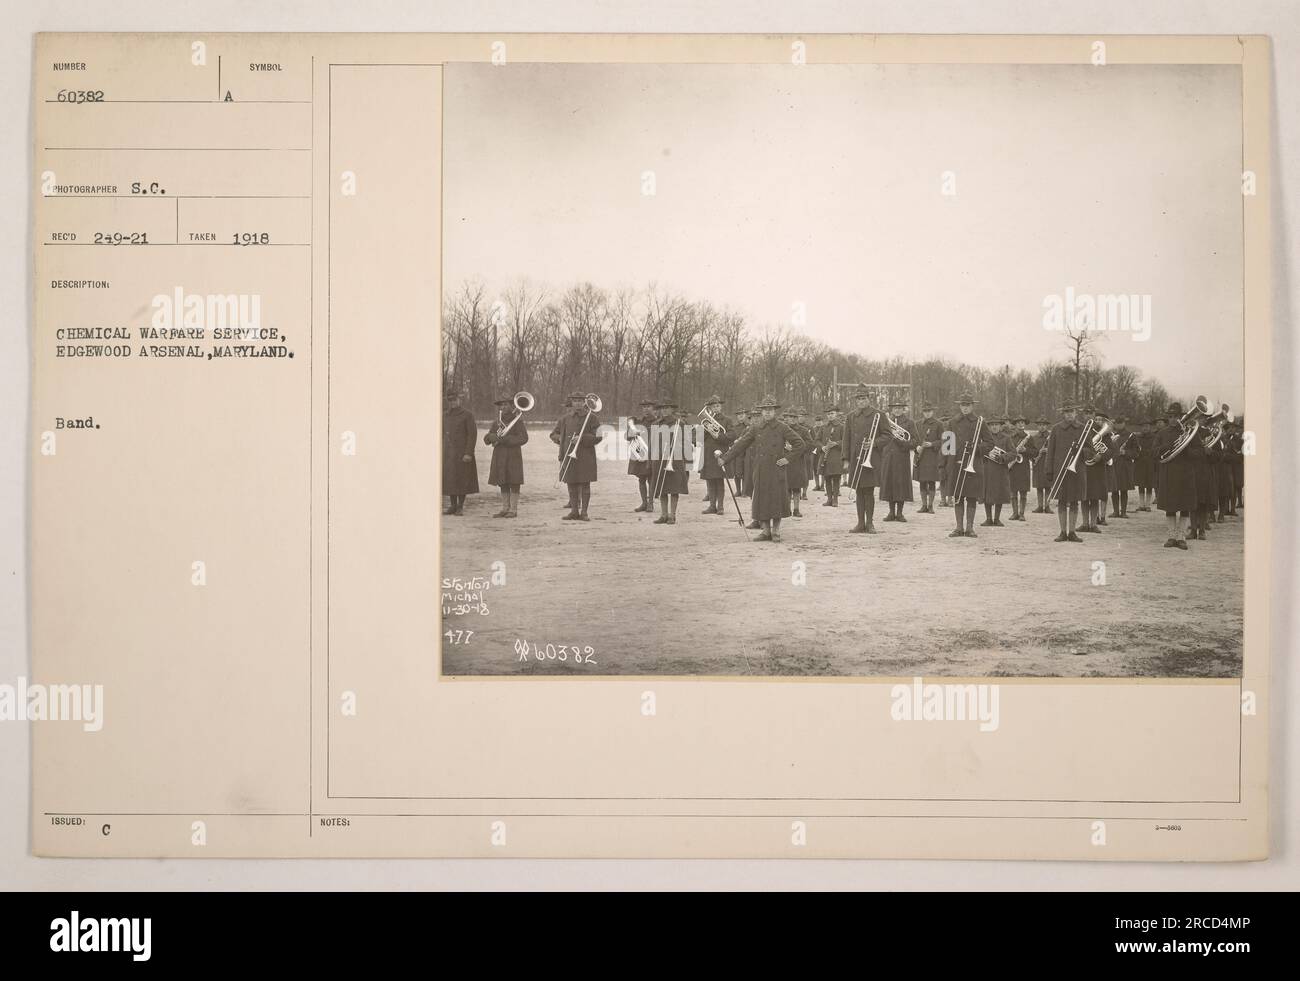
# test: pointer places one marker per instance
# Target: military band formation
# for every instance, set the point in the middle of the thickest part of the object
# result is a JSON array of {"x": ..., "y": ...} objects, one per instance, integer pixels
[{"x": 1186, "y": 464}]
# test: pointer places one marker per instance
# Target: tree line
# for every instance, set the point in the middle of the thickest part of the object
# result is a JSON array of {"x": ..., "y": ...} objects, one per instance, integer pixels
[{"x": 626, "y": 345}]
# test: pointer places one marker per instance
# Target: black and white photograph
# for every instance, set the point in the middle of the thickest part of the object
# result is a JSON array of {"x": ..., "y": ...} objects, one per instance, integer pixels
[{"x": 844, "y": 370}]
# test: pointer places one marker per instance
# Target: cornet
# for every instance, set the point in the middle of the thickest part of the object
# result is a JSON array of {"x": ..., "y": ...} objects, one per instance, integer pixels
[
  {"x": 523, "y": 402},
  {"x": 897, "y": 431}
]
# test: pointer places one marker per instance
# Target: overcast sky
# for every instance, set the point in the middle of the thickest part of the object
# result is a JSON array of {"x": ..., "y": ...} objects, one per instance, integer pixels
[{"x": 822, "y": 185}]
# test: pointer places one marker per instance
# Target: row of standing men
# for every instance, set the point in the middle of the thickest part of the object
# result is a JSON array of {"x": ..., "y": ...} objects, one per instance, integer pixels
[{"x": 773, "y": 460}]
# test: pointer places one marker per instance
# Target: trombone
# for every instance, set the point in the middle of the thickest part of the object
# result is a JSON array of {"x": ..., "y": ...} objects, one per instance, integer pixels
[
  {"x": 1071, "y": 464},
  {"x": 864, "y": 453},
  {"x": 593, "y": 403},
  {"x": 523, "y": 402},
  {"x": 664, "y": 469}
]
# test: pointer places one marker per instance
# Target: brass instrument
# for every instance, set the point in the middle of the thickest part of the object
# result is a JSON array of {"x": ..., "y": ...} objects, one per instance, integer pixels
[
  {"x": 1218, "y": 421},
  {"x": 864, "y": 452},
  {"x": 968, "y": 453},
  {"x": 593, "y": 403},
  {"x": 640, "y": 448},
  {"x": 1099, "y": 447},
  {"x": 662, "y": 477},
  {"x": 523, "y": 402},
  {"x": 711, "y": 424},
  {"x": 997, "y": 454},
  {"x": 1071, "y": 464},
  {"x": 1200, "y": 407},
  {"x": 899, "y": 433}
]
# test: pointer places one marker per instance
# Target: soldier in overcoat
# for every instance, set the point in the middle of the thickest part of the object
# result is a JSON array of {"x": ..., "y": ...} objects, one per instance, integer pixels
[
  {"x": 968, "y": 488},
  {"x": 710, "y": 469},
  {"x": 948, "y": 453},
  {"x": 638, "y": 462},
  {"x": 832, "y": 455},
  {"x": 1041, "y": 476},
  {"x": 1061, "y": 446},
  {"x": 576, "y": 434},
  {"x": 459, "y": 471},
  {"x": 1094, "y": 474},
  {"x": 1238, "y": 464},
  {"x": 671, "y": 458},
  {"x": 863, "y": 456},
  {"x": 506, "y": 472},
  {"x": 797, "y": 471},
  {"x": 817, "y": 468},
  {"x": 896, "y": 460},
  {"x": 1238, "y": 467},
  {"x": 1207, "y": 486},
  {"x": 1123, "y": 464},
  {"x": 1144, "y": 470},
  {"x": 997, "y": 477},
  {"x": 1177, "y": 483},
  {"x": 768, "y": 439},
  {"x": 929, "y": 441},
  {"x": 1020, "y": 472}
]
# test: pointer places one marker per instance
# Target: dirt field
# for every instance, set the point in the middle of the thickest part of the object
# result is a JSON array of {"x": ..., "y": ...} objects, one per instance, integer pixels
[{"x": 698, "y": 598}]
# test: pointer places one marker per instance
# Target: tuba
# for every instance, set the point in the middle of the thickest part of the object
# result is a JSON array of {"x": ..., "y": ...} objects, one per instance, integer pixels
[
  {"x": 523, "y": 402},
  {"x": 1200, "y": 407},
  {"x": 1217, "y": 422}
]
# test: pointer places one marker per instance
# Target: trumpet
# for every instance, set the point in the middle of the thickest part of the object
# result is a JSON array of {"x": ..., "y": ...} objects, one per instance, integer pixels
[
  {"x": 1099, "y": 447},
  {"x": 711, "y": 424},
  {"x": 523, "y": 402},
  {"x": 897, "y": 431},
  {"x": 593, "y": 403},
  {"x": 1200, "y": 407}
]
